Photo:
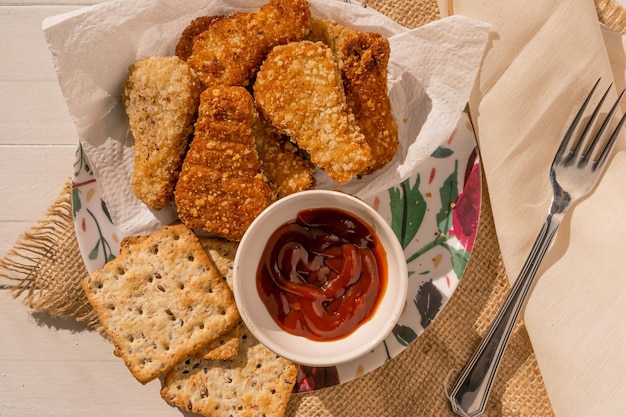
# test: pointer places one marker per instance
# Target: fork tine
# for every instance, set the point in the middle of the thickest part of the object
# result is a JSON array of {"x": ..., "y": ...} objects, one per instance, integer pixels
[
  {"x": 573, "y": 153},
  {"x": 609, "y": 145},
  {"x": 574, "y": 124},
  {"x": 605, "y": 124}
]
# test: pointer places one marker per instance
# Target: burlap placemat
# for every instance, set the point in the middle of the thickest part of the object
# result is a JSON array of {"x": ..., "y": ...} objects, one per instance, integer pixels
[{"x": 46, "y": 268}]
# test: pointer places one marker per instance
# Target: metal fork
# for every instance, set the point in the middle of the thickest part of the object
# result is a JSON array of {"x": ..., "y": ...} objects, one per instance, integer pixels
[{"x": 573, "y": 174}]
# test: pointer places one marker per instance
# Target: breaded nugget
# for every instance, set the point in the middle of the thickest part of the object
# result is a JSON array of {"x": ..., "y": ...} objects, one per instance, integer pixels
[
  {"x": 299, "y": 91},
  {"x": 283, "y": 165},
  {"x": 160, "y": 96},
  {"x": 363, "y": 58},
  {"x": 221, "y": 188},
  {"x": 231, "y": 50},
  {"x": 196, "y": 27}
]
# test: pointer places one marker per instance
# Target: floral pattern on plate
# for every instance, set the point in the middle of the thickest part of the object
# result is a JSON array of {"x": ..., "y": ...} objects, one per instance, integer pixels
[
  {"x": 97, "y": 238},
  {"x": 434, "y": 214}
]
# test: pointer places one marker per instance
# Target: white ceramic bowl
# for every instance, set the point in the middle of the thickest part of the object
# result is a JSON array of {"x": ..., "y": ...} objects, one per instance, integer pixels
[{"x": 297, "y": 348}]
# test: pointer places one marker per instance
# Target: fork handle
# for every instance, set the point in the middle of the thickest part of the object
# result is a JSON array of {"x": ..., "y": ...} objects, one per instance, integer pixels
[{"x": 469, "y": 396}]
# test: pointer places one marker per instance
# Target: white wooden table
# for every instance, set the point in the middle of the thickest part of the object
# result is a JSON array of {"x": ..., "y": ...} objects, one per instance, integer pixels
[{"x": 47, "y": 368}]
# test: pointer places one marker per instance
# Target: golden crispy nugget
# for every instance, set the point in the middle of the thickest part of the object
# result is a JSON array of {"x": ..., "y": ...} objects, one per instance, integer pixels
[
  {"x": 299, "y": 91},
  {"x": 231, "y": 50},
  {"x": 160, "y": 96},
  {"x": 196, "y": 27},
  {"x": 221, "y": 188},
  {"x": 284, "y": 167},
  {"x": 363, "y": 58}
]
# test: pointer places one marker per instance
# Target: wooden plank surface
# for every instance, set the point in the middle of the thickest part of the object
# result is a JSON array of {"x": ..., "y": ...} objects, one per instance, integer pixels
[
  {"x": 55, "y": 368},
  {"x": 37, "y": 137},
  {"x": 47, "y": 367}
]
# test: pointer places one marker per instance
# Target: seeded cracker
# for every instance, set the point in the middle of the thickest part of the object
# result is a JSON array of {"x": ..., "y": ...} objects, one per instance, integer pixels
[
  {"x": 161, "y": 301},
  {"x": 226, "y": 347},
  {"x": 256, "y": 383},
  {"x": 222, "y": 254}
]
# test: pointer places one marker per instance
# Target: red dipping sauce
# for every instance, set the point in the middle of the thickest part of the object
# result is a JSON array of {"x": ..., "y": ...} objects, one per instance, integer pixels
[{"x": 322, "y": 274}]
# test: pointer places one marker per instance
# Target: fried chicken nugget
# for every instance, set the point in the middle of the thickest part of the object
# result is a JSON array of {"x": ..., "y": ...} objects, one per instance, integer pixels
[
  {"x": 282, "y": 164},
  {"x": 160, "y": 96},
  {"x": 231, "y": 50},
  {"x": 363, "y": 58},
  {"x": 299, "y": 91},
  {"x": 195, "y": 28},
  {"x": 221, "y": 188}
]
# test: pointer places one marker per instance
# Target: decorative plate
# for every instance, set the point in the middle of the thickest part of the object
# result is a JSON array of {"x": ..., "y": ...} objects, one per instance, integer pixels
[{"x": 434, "y": 214}]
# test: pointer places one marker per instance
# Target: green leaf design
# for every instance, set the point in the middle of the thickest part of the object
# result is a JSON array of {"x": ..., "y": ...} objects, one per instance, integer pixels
[
  {"x": 428, "y": 302},
  {"x": 408, "y": 207},
  {"x": 106, "y": 247},
  {"x": 95, "y": 251},
  {"x": 81, "y": 162},
  {"x": 76, "y": 203},
  {"x": 448, "y": 194},
  {"x": 404, "y": 335},
  {"x": 442, "y": 152},
  {"x": 105, "y": 210},
  {"x": 459, "y": 259}
]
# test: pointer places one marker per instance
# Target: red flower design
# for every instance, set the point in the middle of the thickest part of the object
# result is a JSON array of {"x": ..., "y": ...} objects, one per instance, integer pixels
[
  {"x": 467, "y": 206},
  {"x": 313, "y": 378}
]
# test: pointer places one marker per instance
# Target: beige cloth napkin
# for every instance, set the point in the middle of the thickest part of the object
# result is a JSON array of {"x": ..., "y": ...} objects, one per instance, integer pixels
[{"x": 542, "y": 59}]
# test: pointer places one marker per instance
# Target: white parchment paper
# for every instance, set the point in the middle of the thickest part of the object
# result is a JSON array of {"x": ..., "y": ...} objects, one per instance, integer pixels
[{"x": 431, "y": 73}]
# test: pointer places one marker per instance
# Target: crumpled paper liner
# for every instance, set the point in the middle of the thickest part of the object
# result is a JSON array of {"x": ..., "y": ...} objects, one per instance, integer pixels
[{"x": 431, "y": 73}]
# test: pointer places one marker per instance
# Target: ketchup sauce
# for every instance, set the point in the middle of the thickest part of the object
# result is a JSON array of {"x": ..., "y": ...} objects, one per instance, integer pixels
[{"x": 322, "y": 274}]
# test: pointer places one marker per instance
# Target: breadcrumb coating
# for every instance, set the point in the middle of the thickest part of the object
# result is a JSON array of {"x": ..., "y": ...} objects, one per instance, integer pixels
[
  {"x": 232, "y": 48},
  {"x": 299, "y": 91},
  {"x": 160, "y": 96},
  {"x": 221, "y": 188},
  {"x": 363, "y": 58},
  {"x": 282, "y": 163},
  {"x": 196, "y": 27}
]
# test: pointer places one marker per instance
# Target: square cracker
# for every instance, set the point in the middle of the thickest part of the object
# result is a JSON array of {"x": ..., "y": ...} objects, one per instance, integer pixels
[
  {"x": 226, "y": 347},
  {"x": 222, "y": 253},
  {"x": 161, "y": 301},
  {"x": 255, "y": 383}
]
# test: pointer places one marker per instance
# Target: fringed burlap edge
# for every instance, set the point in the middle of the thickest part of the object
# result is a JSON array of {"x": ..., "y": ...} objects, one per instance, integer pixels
[
  {"x": 44, "y": 265},
  {"x": 612, "y": 14}
]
